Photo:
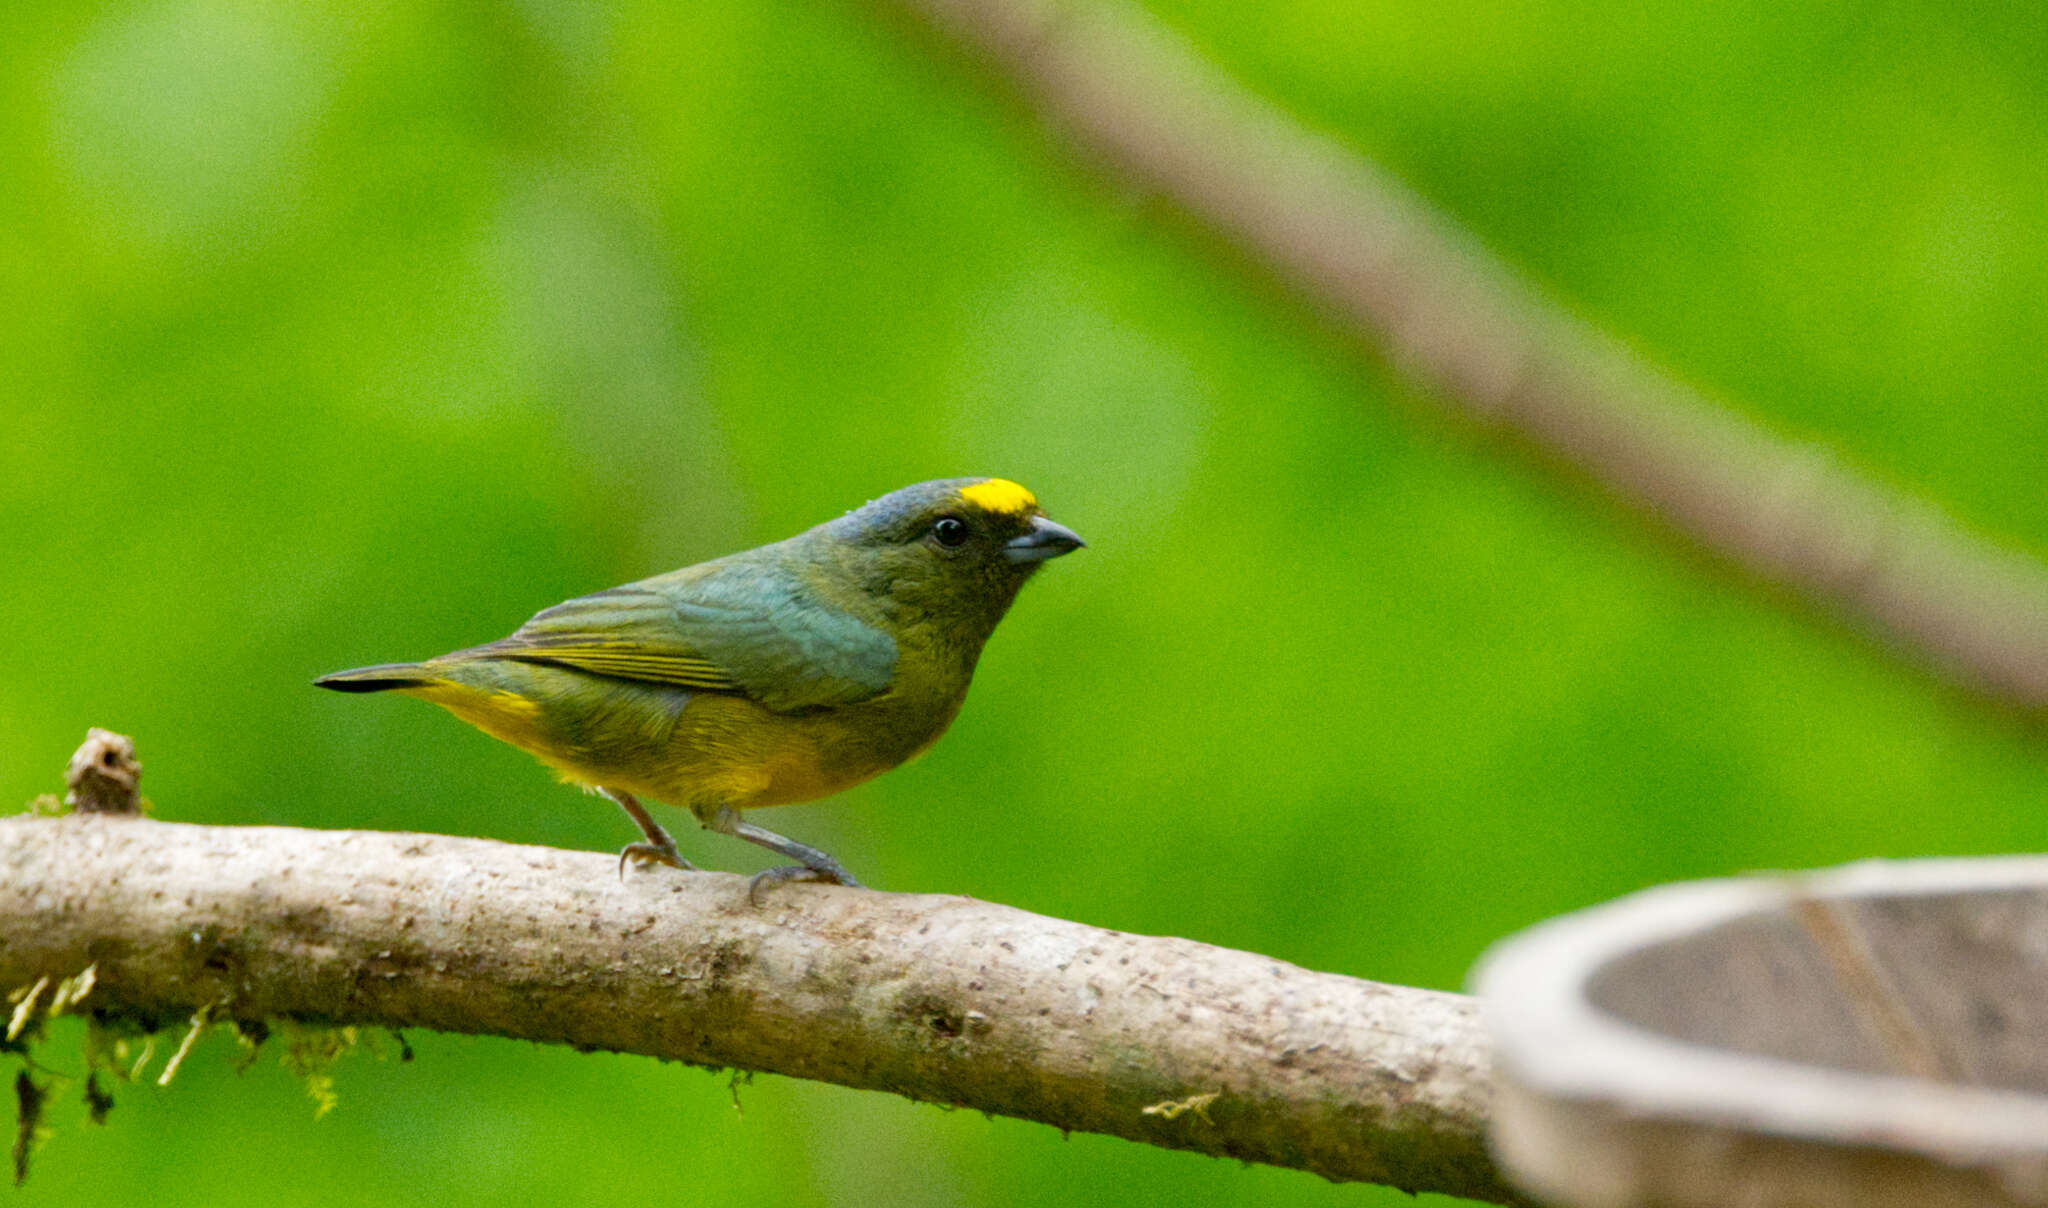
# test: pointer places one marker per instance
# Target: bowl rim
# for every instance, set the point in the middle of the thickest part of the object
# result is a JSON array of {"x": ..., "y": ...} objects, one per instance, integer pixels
[{"x": 1551, "y": 1039}]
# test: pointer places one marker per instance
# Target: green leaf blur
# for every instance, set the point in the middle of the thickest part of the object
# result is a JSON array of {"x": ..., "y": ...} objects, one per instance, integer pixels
[{"x": 347, "y": 332}]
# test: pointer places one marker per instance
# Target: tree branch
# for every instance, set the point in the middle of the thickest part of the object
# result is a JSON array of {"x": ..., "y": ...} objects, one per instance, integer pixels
[
  {"x": 1336, "y": 229},
  {"x": 943, "y": 999}
]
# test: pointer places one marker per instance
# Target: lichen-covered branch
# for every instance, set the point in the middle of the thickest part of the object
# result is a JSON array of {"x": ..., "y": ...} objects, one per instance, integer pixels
[
  {"x": 943, "y": 999},
  {"x": 1410, "y": 285}
]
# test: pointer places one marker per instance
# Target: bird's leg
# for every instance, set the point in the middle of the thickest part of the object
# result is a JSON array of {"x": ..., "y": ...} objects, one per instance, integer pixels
[
  {"x": 811, "y": 864},
  {"x": 658, "y": 847}
]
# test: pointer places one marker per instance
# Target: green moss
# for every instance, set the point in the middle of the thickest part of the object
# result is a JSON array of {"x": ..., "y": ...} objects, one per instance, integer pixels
[
  {"x": 311, "y": 1053},
  {"x": 120, "y": 1048}
]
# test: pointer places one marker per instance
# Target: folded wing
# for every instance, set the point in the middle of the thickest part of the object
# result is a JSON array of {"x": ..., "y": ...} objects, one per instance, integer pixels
[{"x": 743, "y": 631}]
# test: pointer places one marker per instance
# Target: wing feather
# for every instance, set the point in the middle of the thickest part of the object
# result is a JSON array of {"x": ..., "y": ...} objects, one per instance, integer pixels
[{"x": 739, "y": 630}]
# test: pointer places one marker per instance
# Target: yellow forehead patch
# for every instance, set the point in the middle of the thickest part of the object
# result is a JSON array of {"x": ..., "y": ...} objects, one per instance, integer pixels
[{"x": 1000, "y": 495}]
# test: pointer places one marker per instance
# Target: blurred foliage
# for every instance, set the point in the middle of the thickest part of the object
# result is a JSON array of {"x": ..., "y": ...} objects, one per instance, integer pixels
[{"x": 350, "y": 332}]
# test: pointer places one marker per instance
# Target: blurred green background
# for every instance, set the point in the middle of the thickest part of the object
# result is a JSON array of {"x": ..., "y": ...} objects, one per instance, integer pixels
[{"x": 346, "y": 332}]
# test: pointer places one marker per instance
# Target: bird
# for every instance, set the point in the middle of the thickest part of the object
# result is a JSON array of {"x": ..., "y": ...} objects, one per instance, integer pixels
[{"x": 780, "y": 674}]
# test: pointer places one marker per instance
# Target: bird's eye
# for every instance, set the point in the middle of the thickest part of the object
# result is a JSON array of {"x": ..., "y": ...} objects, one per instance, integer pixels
[{"x": 950, "y": 531}]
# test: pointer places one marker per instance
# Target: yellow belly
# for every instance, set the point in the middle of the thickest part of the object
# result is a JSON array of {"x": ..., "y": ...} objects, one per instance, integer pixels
[
  {"x": 731, "y": 751},
  {"x": 720, "y": 750}
]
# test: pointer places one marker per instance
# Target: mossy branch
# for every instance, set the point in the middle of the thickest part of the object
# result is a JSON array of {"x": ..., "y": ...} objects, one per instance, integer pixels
[{"x": 942, "y": 999}]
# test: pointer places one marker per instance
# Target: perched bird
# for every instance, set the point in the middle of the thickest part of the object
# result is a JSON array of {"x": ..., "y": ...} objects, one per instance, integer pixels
[{"x": 776, "y": 675}]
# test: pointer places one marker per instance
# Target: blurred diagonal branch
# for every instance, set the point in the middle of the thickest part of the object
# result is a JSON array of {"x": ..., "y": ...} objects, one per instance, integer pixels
[
  {"x": 942, "y": 999},
  {"x": 1332, "y": 226}
]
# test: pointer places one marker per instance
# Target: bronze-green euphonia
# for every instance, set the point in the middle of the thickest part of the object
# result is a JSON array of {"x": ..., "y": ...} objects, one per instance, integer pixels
[{"x": 780, "y": 674}]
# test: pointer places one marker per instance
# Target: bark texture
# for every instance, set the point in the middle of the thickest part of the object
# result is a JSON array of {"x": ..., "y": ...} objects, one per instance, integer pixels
[
  {"x": 943, "y": 999},
  {"x": 1412, "y": 287}
]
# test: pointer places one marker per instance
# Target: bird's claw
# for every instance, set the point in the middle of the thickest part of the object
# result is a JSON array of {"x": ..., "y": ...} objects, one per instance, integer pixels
[
  {"x": 796, "y": 872},
  {"x": 652, "y": 853}
]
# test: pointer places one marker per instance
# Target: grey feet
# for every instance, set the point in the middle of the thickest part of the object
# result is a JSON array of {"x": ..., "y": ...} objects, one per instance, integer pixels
[
  {"x": 835, "y": 875},
  {"x": 649, "y": 853},
  {"x": 811, "y": 864},
  {"x": 658, "y": 848}
]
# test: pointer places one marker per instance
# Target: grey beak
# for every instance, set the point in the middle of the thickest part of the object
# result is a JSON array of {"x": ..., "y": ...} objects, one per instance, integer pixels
[{"x": 1045, "y": 540}]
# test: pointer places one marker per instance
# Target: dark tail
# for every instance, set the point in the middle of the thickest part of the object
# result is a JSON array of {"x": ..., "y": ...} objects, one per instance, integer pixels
[{"x": 382, "y": 678}]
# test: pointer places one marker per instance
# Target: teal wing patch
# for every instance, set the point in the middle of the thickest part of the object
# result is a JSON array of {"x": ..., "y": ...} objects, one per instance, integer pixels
[{"x": 737, "y": 630}]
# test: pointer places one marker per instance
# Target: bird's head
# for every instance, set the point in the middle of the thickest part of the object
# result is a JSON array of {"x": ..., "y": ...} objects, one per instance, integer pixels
[{"x": 950, "y": 554}]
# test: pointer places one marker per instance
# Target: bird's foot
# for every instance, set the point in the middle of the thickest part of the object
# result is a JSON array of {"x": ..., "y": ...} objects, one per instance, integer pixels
[
  {"x": 835, "y": 875},
  {"x": 652, "y": 853},
  {"x": 658, "y": 848},
  {"x": 811, "y": 864}
]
